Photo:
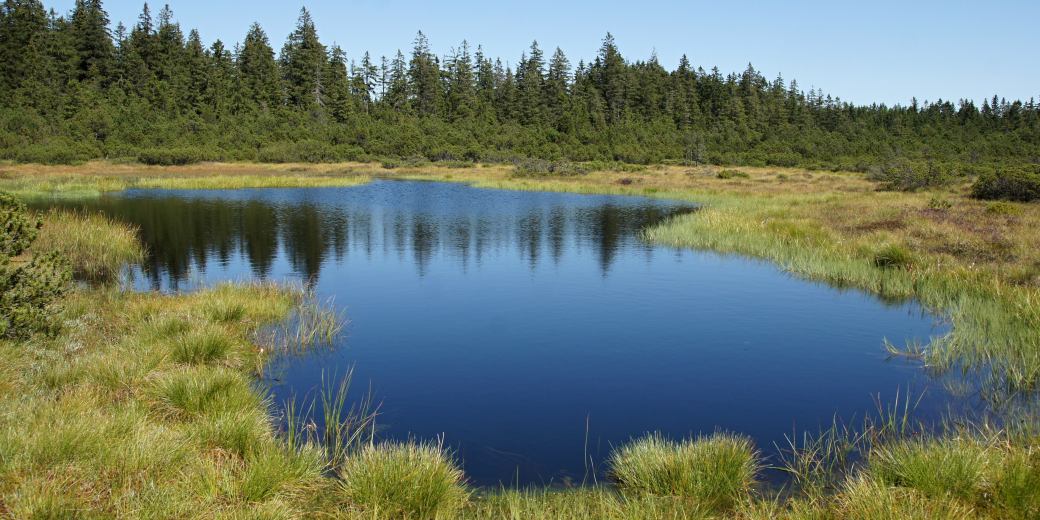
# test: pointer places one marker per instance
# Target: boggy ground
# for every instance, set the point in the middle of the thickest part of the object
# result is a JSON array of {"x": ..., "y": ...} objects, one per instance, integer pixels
[{"x": 146, "y": 405}]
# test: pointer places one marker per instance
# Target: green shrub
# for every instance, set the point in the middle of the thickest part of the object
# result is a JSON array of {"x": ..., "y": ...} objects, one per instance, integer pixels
[
  {"x": 28, "y": 294},
  {"x": 55, "y": 152},
  {"x": 29, "y": 291},
  {"x": 906, "y": 175},
  {"x": 1003, "y": 208},
  {"x": 417, "y": 481},
  {"x": 542, "y": 167},
  {"x": 173, "y": 156},
  {"x": 1011, "y": 184},
  {"x": 17, "y": 228},
  {"x": 732, "y": 174},
  {"x": 717, "y": 472}
]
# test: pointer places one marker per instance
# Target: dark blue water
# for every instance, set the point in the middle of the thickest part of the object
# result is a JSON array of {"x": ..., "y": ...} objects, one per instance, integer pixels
[{"x": 530, "y": 329}]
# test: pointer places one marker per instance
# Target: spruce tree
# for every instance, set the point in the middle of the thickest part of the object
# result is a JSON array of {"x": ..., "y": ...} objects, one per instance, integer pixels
[
  {"x": 91, "y": 41},
  {"x": 462, "y": 100},
  {"x": 259, "y": 74},
  {"x": 530, "y": 84},
  {"x": 424, "y": 78},
  {"x": 303, "y": 62}
]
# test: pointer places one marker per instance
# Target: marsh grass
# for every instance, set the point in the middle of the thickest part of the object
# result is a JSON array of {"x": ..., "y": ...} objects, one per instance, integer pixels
[
  {"x": 867, "y": 499},
  {"x": 97, "y": 177},
  {"x": 148, "y": 407},
  {"x": 403, "y": 480},
  {"x": 331, "y": 422},
  {"x": 97, "y": 247},
  {"x": 717, "y": 472}
]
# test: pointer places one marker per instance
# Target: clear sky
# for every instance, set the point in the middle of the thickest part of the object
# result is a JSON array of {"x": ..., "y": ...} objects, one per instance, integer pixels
[{"x": 863, "y": 51}]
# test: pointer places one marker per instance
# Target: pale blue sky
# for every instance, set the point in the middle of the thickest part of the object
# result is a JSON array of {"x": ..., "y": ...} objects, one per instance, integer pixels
[{"x": 885, "y": 51}]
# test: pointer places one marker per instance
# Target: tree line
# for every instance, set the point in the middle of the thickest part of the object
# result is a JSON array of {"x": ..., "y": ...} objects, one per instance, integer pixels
[{"x": 75, "y": 88}]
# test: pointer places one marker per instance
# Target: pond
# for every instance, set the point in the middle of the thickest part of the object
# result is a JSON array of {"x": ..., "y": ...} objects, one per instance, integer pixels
[{"x": 534, "y": 331}]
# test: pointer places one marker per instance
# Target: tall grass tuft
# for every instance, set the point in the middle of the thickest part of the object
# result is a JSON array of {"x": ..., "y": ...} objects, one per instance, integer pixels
[
  {"x": 867, "y": 499},
  {"x": 202, "y": 346},
  {"x": 717, "y": 471},
  {"x": 955, "y": 467},
  {"x": 406, "y": 480},
  {"x": 97, "y": 247}
]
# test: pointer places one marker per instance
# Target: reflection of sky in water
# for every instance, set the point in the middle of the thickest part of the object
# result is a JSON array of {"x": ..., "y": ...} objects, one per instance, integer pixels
[{"x": 510, "y": 321}]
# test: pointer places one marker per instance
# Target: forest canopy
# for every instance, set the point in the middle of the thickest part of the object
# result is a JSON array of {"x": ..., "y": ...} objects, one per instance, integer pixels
[{"x": 75, "y": 88}]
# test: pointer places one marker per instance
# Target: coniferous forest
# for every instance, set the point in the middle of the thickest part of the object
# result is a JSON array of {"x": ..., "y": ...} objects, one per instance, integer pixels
[{"x": 76, "y": 88}]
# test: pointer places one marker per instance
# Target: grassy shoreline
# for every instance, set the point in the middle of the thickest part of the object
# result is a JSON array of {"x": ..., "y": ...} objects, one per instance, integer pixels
[{"x": 86, "y": 418}]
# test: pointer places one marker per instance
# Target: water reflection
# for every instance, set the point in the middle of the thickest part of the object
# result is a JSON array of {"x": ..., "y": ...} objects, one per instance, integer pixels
[{"x": 185, "y": 231}]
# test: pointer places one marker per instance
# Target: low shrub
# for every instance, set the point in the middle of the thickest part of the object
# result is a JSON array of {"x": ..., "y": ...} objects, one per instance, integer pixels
[
  {"x": 174, "y": 156},
  {"x": 905, "y": 175},
  {"x": 542, "y": 167},
  {"x": 28, "y": 292},
  {"x": 1003, "y": 208},
  {"x": 1010, "y": 184},
  {"x": 732, "y": 174}
]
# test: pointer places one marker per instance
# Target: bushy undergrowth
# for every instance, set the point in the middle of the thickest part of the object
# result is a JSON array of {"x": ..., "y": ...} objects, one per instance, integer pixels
[
  {"x": 731, "y": 174},
  {"x": 541, "y": 167},
  {"x": 29, "y": 291},
  {"x": 1019, "y": 184},
  {"x": 176, "y": 156},
  {"x": 907, "y": 175}
]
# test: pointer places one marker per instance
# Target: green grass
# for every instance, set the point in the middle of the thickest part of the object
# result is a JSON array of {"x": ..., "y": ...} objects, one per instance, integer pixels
[
  {"x": 408, "y": 480},
  {"x": 716, "y": 472}
]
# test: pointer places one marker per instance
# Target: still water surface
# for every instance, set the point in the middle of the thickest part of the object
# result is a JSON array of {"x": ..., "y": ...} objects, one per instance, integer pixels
[{"x": 533, "y": 331}]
